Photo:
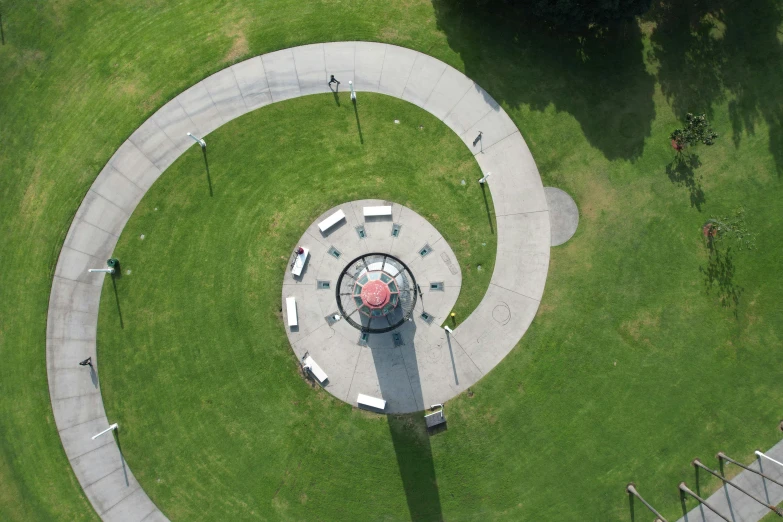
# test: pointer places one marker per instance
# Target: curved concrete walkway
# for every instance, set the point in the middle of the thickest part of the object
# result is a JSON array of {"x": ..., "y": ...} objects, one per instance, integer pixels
[{"x": 486, "y": 336}]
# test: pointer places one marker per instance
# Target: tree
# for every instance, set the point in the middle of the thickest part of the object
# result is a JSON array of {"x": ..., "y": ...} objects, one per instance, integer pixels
[
  {"x": 697, "y": 130},
  {"x": 729, "y": 227},
  {"x": 574, "y": 14},
  {"x": 583, "y": 13}
]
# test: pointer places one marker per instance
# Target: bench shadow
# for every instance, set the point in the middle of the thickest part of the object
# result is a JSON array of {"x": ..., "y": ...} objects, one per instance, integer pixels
[{"x": 682, "y": 172}]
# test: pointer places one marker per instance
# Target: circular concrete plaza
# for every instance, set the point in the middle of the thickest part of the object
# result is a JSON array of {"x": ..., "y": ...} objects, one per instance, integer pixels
[
  {"x": 563, "y": 215},
  {"x": 405, "y": 358},
  {"x": 433, "y": 367}
]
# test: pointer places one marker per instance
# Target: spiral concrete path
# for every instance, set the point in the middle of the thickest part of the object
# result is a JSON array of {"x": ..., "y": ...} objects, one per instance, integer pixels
[{"x": 486, "y": 336}]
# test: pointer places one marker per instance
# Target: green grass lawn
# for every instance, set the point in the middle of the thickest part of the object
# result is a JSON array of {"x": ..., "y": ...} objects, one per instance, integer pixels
[
  {"x": 633, "y": 366},
  {"x": 195, "y": 333}
]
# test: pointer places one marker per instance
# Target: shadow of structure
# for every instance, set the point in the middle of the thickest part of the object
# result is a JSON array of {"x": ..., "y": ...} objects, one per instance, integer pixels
[
  {"x": 358, "y": 123},
  {"x": 206, "y": 165},
  {"x": 597, "y": 75},
  {"x": 117, "y": 298},
  {"x": 719, "y": 276},
  {"x": 116, "y": 435},
  {"x": 486, "y": 204},
  {"x": 336, "y": 93},
  {"x": 682, "y": 172},
  {"x": 397, "y": 370},
  {"x": 706, "y": 49}
]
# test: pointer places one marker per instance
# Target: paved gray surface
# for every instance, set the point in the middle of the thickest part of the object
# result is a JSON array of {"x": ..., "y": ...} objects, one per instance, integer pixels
[
  {"x": 380, "y": 369},
  {"x": 735, "y": 505},
  {"x": 486, "y": 336},
  {"x": 563, "y": 215}
]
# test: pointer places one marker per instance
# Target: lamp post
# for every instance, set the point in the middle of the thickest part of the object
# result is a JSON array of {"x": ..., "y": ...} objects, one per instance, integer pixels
[
  {"x": 199, "y": 141},
  {"x": 484, "y": 179},
  {"x": 353, "y": 93},
  {"x": 206, "y": 163},
  {"x": 114, "y": 426},
  {"x": 111, "y": 264}
]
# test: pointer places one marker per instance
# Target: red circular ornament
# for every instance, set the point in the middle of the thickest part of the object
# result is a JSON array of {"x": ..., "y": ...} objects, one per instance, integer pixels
[{"x": 375, "y": 294}]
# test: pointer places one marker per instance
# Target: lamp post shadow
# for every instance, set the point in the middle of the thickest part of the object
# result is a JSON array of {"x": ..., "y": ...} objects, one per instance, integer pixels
[
  {"x": 116, "y": 434},
  {"x": 117, "y": 299},
  {"x": 486, "y": 204},
  {"x": 206, "y": 164},
  {"x": 358, "y": 123}
]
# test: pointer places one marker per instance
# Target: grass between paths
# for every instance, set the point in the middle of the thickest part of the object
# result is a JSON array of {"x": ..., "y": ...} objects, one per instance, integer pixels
[
  {"x": 554, "y": 432},
  {"x": 194, "y": 358}
]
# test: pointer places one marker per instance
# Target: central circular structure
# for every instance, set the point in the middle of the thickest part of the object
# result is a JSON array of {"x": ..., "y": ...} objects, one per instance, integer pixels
[{"x": 376, "y": 293}]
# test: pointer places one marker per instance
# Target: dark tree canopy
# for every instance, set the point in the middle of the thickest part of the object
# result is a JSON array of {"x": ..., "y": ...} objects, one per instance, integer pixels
[{"x": 576, "y": 14}]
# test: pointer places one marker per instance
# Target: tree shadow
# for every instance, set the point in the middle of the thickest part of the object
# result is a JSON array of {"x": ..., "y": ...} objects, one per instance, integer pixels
[
  {"x": 688, "y": 55},
  {"x": 719, "y": 277},
  {"x": 598, "y": 75},
  {"x": 708, "y": 48},
  {"x": 682, "y": 172}
]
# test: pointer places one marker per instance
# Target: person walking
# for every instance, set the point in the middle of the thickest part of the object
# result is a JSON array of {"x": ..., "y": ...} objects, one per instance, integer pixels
[
  {"x": 86, "y": 362},
  {"x": 332, "y": 80}
]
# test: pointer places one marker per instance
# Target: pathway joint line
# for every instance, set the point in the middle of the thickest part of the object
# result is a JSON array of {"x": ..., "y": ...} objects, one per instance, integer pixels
[
  {"x": 434, "y": 85},
  {"x": 138, "y": 486},
  {"x": 109, "y": 202},
  {"x": 236, "y": 82}
]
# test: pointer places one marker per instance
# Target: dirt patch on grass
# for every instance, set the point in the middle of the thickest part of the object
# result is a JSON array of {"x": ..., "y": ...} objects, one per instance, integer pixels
[
  {"x": 644, "y": 321},
  {"x": 596, "y": 198},
  {"x": 238, "y": 49},
  {"x": 35, "y": 196}
]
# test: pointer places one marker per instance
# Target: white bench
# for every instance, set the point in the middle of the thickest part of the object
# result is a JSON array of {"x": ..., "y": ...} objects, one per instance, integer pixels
[
  {"x": 299, "y": 262},
  {"x": 290, "y": 304},
  {"x": 316, "y": 370},
  {"x": 378, "y": 211},
  {"x": 331, "y": 221},
  {"x": 372, "y": 402}
]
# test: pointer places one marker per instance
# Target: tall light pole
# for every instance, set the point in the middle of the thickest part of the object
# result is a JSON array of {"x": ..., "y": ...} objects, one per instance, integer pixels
[
  {"x": 114, "y": 426},
  {"x": 203, "y": 145},
  {"x": 199, "y": 141},
  {"x": 111, "y": 264},
  {"x": 353, "y": 93}
]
